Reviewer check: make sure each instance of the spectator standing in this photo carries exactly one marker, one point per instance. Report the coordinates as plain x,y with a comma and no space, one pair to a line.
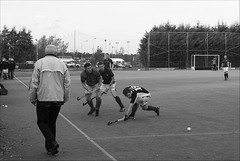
49,90
11,68
108,63
4,68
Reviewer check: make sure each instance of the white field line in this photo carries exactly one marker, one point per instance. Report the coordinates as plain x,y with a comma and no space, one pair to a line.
93,142
21,82
166,135
79,130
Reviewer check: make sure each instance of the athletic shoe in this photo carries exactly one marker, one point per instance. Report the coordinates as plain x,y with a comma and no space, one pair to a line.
97,113
52,153
91,111
122,110
157,110
53,150
131,117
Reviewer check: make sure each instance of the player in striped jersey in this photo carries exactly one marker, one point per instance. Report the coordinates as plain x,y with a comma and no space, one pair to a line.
138,96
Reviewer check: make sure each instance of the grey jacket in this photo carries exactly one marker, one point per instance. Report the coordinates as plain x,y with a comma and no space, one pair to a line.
50,80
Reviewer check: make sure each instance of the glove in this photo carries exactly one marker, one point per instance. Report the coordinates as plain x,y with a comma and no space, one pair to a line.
125,117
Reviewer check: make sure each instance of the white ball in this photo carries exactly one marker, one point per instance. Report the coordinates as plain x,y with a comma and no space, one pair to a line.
189,129
6,105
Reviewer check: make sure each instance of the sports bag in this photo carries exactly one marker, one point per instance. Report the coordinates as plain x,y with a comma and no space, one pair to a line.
3,91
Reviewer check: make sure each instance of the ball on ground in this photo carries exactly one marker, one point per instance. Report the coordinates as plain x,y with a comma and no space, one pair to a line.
189,129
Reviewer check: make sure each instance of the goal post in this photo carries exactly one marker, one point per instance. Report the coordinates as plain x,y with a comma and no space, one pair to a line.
204,62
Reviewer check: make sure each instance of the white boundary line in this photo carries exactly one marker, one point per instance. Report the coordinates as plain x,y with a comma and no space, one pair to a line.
165,135
21,81
91,140
79,130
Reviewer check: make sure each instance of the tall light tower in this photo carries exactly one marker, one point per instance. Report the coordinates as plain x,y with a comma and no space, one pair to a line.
9,50
74,37
62,48
128,46
109,51
82,47
36,49
105,46
93,44
117,46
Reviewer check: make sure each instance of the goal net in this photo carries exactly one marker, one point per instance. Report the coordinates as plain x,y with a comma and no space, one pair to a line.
205,62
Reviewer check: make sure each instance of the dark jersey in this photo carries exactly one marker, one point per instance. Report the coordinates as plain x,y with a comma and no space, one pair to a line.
11,65
90,78
225,62
107,62
5,65
107,75
136,90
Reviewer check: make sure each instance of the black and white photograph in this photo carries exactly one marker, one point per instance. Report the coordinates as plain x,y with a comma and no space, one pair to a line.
124,80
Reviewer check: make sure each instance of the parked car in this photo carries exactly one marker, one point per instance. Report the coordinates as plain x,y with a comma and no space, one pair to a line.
72,64
127,65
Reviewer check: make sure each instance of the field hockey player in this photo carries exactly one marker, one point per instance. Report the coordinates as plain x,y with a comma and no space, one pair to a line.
138,96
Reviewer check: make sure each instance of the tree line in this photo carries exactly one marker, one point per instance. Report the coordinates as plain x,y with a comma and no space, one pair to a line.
168,45
172,46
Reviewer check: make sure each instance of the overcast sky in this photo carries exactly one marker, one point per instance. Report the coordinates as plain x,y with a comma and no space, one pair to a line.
118,22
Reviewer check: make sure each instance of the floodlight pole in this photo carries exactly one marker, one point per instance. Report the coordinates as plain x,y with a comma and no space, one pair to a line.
105,46
168,49
187,51
225,36
62,48
74,35
36,49
148,52
128,46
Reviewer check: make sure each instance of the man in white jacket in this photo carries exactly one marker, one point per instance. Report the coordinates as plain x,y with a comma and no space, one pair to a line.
49,90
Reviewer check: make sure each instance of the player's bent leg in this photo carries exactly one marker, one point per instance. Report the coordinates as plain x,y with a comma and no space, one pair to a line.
118,100
152,108
90,103
98,104
134,110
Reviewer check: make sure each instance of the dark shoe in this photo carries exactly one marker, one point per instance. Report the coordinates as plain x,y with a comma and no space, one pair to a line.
97,113
122,110
132,118
91,111
54,148
157,110
52,153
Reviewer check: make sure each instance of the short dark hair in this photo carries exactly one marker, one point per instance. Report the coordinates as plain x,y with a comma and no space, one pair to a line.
87,65
126,91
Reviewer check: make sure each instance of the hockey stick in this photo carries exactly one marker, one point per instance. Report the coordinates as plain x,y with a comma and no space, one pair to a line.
93,98
118,120
79,98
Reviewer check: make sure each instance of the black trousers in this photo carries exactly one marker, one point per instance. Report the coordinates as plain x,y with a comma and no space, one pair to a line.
47,113
10,74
